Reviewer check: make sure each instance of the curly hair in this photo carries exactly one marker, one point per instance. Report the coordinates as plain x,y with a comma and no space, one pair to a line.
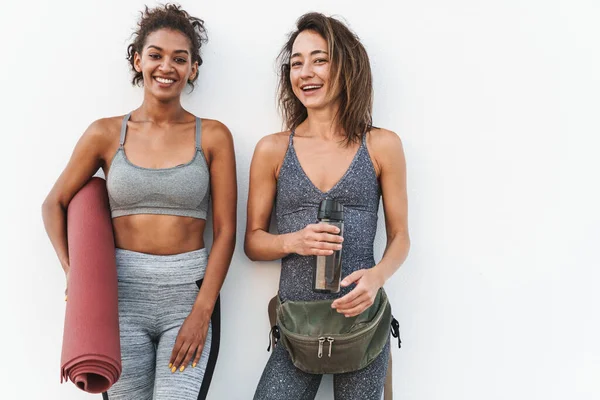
170,16
350,74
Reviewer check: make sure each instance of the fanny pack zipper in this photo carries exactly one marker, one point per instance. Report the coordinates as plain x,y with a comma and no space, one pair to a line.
321,342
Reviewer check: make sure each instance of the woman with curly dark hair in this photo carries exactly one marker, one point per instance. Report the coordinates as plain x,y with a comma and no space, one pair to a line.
330,152
162,166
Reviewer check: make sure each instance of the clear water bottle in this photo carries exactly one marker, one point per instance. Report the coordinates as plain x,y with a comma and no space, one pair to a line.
327,270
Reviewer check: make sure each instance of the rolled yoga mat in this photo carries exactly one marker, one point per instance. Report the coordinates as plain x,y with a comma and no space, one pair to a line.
91,352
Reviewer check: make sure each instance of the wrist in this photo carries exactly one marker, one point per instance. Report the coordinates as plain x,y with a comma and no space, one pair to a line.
65,266
286,243
380,276
201,310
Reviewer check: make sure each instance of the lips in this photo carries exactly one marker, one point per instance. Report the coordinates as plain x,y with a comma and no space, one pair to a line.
164,81
310,87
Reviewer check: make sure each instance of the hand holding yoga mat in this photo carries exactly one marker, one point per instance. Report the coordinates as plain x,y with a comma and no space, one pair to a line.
91,353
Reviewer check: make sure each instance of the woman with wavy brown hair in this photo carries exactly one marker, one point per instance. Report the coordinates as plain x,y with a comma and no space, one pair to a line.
331,150
163,167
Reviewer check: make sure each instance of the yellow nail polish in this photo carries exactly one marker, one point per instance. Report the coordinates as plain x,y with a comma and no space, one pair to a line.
170,365
181,369
194,365
173,369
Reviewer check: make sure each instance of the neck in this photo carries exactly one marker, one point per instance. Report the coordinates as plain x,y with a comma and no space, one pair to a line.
323,123
161,112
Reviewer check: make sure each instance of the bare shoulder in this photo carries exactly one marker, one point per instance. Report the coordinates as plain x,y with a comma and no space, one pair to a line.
105,129
270,152
385,148
102,136
383,140
214,131
273,146
110,126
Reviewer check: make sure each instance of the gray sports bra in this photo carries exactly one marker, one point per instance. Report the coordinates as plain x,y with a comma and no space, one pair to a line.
183,190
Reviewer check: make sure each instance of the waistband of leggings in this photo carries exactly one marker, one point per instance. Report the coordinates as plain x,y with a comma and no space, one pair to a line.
136,267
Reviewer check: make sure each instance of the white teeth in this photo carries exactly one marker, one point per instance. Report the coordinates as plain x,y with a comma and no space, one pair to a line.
311,87
163,80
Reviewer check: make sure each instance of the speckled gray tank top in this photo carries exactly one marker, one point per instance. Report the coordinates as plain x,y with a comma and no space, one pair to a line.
296,205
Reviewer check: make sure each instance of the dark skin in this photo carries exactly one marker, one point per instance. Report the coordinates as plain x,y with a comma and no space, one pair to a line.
160,134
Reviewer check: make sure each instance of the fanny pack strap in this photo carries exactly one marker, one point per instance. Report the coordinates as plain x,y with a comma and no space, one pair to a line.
388,390
274,334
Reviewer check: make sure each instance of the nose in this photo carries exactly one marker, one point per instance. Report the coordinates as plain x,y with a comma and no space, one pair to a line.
165,65
307,71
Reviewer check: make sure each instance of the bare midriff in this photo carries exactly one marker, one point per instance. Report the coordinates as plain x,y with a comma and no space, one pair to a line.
159,234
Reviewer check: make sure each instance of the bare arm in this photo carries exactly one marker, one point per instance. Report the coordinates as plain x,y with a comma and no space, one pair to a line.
259,244
390,156
84,162
221,157
389,161
224,207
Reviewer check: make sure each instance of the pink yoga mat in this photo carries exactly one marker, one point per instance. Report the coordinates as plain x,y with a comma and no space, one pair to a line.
91,352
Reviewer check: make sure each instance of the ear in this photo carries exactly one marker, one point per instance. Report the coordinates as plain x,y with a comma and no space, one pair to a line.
194,71
137,62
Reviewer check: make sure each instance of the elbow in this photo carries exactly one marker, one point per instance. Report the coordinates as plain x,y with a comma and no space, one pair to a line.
45,209
248,248
48,205
248,251
226,236
406,244
401,239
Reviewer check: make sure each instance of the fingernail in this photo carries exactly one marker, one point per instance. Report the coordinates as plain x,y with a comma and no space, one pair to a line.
173,369
182,368
170,365
194,365
65,298
344,282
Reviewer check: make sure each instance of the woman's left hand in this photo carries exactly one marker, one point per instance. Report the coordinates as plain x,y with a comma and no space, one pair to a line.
190,341
368,282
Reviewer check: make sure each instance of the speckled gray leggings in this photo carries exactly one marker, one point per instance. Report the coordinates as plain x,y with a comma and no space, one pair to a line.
281,380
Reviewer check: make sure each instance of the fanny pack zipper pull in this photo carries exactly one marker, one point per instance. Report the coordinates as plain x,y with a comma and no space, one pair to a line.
330,340
321,341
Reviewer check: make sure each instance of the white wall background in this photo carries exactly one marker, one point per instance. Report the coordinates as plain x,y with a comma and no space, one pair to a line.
497,104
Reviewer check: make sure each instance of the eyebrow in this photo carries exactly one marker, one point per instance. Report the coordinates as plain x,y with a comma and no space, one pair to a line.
312,53
176,51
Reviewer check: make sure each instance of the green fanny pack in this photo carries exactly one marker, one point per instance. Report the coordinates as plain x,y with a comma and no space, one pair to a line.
322,341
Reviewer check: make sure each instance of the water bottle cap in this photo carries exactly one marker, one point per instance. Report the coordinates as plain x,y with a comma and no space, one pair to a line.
331,209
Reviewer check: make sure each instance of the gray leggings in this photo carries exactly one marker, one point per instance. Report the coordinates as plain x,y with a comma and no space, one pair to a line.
281,380
156,294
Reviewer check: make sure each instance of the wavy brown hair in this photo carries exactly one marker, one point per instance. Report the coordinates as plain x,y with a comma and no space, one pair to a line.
169,16
350,75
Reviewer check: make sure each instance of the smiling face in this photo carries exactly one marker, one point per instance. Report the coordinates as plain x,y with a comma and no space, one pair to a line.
310,65
165,64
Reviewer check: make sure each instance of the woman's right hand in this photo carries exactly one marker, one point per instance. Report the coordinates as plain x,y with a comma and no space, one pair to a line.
315,240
